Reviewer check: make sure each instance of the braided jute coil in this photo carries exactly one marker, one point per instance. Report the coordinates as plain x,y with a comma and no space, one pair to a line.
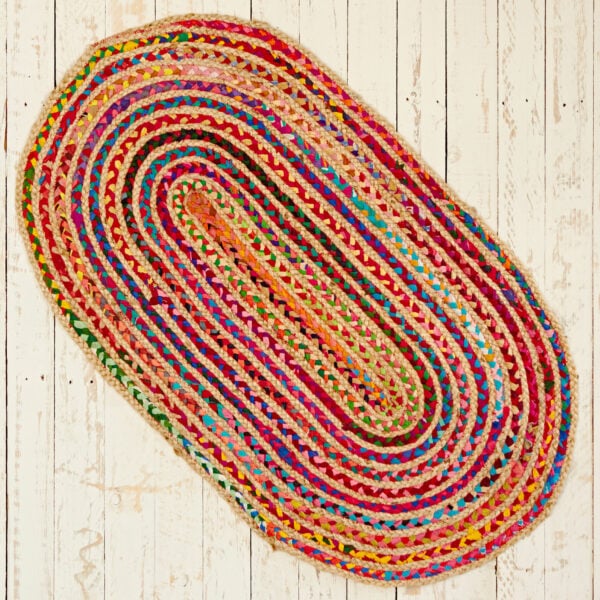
286,291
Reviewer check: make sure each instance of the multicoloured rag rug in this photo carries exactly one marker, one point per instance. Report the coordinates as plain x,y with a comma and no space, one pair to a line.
296,301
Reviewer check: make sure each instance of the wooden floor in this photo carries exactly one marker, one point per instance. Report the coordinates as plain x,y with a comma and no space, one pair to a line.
499,98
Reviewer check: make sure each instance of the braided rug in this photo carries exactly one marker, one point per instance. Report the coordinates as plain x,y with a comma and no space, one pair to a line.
286,291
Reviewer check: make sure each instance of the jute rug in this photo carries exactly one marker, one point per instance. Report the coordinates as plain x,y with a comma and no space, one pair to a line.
285,290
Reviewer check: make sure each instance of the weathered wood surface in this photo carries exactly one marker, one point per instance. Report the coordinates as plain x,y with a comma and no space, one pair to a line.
500,99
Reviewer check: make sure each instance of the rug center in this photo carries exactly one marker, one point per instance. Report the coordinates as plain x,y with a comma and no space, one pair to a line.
378,386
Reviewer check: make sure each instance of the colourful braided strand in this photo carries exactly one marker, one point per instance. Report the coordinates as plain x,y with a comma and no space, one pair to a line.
296,301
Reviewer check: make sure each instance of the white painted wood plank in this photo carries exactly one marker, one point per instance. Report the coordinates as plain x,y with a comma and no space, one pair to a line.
235,8
178,529
372,54
520,569
225,537
79,401
472,164
274,573
224,562
323,30
421,79
130,492
471,119
179,505
226,554
3,294
568,542
372,74
30,343
148,494
131,446
595,216
284,15
421,119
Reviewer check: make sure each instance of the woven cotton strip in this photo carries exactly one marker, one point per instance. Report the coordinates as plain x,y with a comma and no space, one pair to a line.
285,290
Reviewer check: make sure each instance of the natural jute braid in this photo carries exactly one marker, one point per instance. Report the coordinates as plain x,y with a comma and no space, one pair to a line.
296,301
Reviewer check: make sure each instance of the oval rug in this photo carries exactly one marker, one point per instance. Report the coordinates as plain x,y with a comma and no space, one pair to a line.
296,301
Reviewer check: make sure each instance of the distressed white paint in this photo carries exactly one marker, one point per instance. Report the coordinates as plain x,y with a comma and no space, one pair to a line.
372,42
79,458
323,29
471,162
29,326
567,277
3,413
508,88
421,117
521,168
595,218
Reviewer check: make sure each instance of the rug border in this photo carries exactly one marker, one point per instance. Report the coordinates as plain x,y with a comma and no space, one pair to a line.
276,544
